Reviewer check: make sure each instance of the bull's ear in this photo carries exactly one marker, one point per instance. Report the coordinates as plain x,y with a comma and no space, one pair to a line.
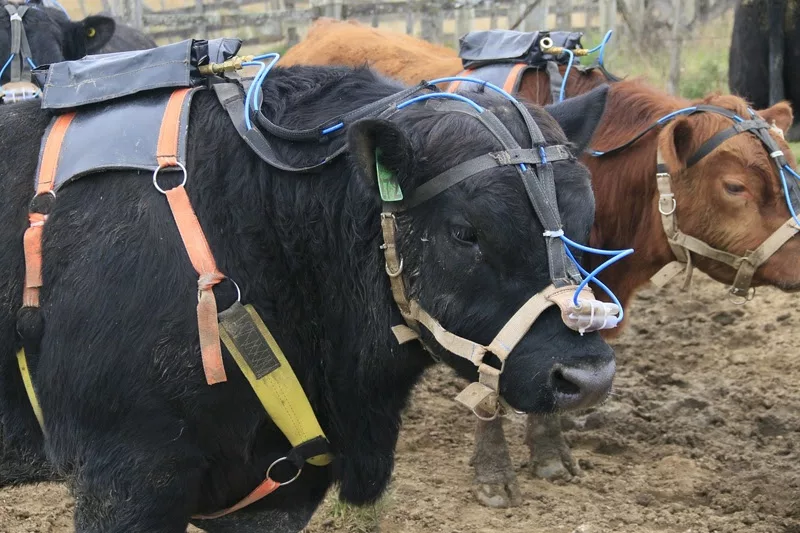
95,31
780,115
383,155
579,116
675,144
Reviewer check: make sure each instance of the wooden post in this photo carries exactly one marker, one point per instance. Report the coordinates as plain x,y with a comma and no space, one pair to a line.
464,18
409,18
333,9
537,18
563,15
608,14
199,8
674,80
432,21
492,5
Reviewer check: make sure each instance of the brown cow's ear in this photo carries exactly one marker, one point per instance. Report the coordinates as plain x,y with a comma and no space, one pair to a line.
675,144
780,115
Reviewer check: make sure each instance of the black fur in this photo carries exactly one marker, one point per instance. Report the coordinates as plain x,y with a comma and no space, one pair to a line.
144,442
748,74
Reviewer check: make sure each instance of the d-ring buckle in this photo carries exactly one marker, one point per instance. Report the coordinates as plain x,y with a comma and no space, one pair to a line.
397,272
741,300
672,209
155,176
283,483
238,290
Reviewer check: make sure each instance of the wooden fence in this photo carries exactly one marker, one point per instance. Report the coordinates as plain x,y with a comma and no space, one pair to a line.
284,22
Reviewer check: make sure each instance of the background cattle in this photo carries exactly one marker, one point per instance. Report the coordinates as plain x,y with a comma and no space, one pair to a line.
765,54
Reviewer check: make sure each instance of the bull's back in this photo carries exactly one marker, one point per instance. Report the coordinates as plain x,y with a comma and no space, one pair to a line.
393,54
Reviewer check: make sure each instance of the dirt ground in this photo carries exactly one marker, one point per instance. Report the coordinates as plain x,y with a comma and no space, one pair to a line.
700,435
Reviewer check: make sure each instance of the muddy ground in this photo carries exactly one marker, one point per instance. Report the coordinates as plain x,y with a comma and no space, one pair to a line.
701,435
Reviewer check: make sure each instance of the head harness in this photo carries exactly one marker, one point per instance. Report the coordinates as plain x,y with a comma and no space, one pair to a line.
19,62
579,310
684,245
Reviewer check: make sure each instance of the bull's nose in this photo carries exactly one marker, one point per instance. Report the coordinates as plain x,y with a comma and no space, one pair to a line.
579,387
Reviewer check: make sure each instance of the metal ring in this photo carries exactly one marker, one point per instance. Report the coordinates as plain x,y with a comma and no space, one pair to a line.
398,272
546,43
672,210
283,483
238,290
155,176
487,418
741,300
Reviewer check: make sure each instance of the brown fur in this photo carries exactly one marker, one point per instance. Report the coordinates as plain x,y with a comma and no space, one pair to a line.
411,60
625,184
627,196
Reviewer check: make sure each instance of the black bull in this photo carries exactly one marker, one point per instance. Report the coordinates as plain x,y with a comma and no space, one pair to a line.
130,421
764,66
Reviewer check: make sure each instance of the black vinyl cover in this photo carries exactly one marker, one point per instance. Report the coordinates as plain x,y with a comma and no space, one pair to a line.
479,48
103,77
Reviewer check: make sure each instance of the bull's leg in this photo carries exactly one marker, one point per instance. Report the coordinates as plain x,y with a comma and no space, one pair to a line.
495,480
551,457
272,520
122,490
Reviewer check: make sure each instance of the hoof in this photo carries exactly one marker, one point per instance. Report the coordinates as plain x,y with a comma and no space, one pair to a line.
553,469
498,495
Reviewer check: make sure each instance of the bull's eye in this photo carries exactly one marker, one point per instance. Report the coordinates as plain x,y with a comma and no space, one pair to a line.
734,187
465,235
91,32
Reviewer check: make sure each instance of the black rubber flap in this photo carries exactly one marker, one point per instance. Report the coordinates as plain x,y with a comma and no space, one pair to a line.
507,46
103,77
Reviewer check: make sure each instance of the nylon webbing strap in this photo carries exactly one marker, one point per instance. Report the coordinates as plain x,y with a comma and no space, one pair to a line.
751,261
555,80
711,144
469,168
251,344
19,68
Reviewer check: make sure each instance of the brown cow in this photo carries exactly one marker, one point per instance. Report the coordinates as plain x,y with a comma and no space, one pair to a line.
731,199
411,60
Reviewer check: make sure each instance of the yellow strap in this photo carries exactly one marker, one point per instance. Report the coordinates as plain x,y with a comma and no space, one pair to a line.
22,361
280,392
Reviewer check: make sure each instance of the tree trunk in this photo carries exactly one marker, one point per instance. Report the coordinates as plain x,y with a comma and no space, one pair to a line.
674,81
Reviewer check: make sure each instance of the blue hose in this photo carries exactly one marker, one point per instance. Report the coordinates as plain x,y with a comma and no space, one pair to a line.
566,74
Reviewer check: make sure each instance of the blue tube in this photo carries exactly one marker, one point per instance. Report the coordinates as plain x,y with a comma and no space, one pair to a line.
31,63
450,96
599,283
566,74
616,256
602,47
2,70
467,79
249,96
786,190
333,128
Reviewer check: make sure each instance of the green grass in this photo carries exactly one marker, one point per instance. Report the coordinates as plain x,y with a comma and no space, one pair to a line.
338,516
795,150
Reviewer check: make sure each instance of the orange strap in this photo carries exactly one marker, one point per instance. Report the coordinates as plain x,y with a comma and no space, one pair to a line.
267,487
194,240
511,79
454,86
32,241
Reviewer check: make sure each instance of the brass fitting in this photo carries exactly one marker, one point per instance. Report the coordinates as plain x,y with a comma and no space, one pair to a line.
234,63
546,46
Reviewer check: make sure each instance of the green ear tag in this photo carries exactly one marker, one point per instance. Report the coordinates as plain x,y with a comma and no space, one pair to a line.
387,182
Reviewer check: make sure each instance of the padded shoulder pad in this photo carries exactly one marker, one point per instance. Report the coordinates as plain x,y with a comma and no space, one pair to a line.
104,77
507,46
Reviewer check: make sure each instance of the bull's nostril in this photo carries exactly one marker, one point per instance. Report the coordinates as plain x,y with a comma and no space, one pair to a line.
564,386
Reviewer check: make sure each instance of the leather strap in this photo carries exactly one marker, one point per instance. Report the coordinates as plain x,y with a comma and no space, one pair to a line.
267,487
512,80
194,241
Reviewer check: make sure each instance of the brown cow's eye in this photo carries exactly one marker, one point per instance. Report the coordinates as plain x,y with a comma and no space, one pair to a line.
733,187
465,234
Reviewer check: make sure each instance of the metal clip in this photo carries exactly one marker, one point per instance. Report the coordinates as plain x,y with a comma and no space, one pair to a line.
234,63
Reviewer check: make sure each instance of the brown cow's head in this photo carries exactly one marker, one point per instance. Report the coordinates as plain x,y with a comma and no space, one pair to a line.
733,198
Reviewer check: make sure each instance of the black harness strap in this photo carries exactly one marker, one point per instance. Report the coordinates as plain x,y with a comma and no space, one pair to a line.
555,80
20,48
467,169
758,127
